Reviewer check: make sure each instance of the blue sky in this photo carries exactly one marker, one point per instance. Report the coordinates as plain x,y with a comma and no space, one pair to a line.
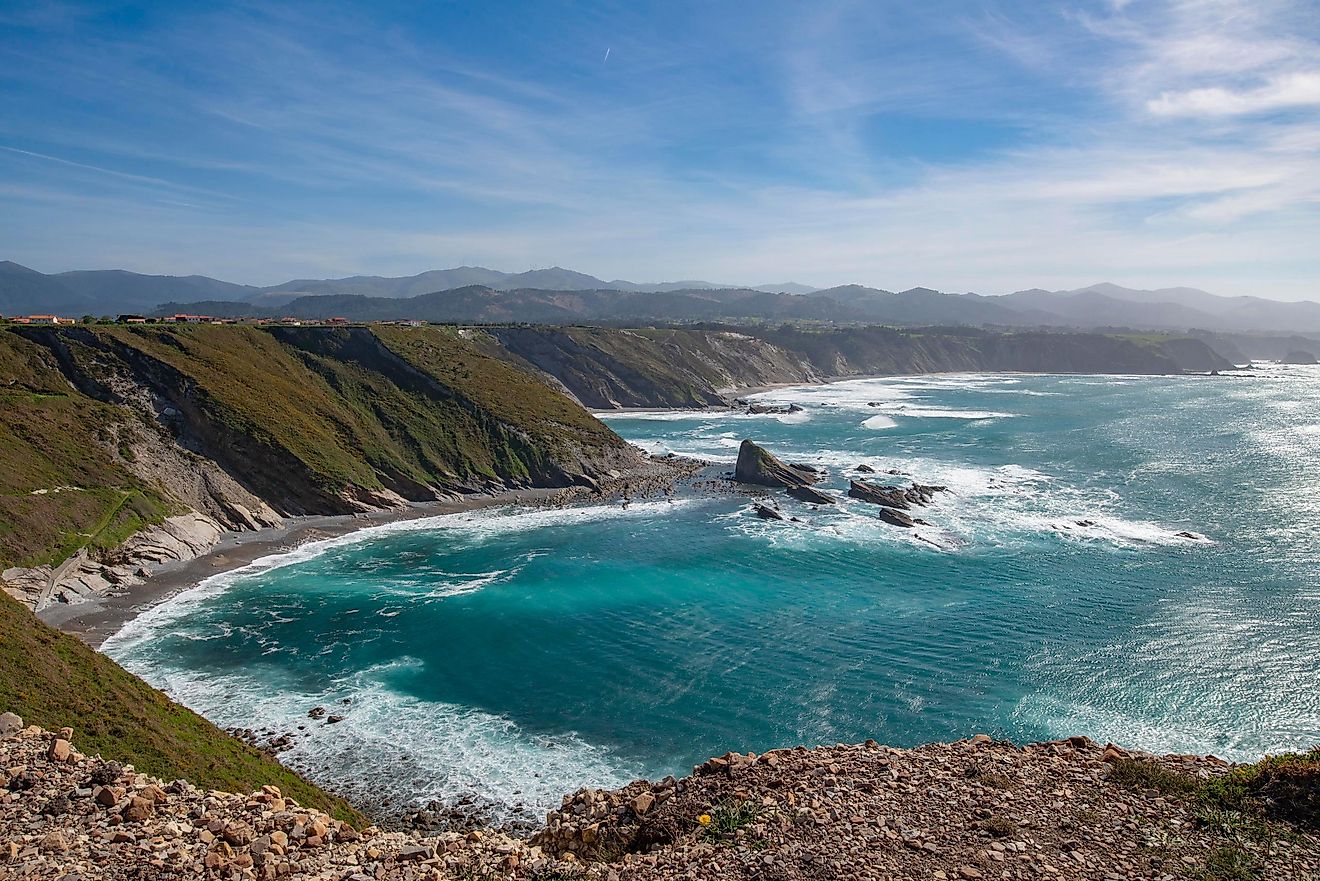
964,146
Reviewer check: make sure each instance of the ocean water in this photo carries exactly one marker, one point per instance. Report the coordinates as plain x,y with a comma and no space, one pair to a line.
1130,558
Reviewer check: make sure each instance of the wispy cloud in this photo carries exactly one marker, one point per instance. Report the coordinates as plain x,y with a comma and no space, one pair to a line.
1281,91
985,148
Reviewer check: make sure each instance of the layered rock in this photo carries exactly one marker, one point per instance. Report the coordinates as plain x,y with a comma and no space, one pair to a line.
899,497
178,538
757,465
811,495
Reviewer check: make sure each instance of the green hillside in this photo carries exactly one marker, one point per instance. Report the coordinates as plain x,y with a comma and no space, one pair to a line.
64,483
53,680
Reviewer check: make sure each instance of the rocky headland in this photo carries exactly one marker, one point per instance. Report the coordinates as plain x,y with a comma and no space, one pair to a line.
974,809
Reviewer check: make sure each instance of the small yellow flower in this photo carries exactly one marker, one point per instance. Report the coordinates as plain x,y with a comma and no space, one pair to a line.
704,819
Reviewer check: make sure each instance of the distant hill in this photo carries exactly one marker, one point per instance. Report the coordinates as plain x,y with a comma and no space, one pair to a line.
556,278
480,303
26,290
116,290
558,295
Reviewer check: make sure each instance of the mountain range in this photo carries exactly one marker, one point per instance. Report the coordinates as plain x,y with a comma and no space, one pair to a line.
557,295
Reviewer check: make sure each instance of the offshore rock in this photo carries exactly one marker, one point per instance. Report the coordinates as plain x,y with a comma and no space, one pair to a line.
759,466
898,497
763,409
812,495
765,512
889,496
895,517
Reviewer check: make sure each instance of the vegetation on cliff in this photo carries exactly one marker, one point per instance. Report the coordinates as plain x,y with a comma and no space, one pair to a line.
52,679
64,484
690,367
311,420
652,367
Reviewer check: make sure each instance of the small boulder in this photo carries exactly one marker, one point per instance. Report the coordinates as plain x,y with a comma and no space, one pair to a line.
888,496
138,809
107,796
60,750
643,803
765,512
55,842
10,724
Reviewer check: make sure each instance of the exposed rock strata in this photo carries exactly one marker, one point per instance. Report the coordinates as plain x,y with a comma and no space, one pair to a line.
759,466
811,495
898,497
614,367
178,538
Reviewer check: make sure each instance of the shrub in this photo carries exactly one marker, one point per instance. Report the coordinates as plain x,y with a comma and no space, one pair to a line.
726,818
1144,774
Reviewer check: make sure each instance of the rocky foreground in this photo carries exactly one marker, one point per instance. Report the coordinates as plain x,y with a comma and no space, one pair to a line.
968,810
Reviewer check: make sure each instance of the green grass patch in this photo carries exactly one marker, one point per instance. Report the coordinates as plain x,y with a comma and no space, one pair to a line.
1231,862
1142,774
1285,787
726,818
1277,788
52,680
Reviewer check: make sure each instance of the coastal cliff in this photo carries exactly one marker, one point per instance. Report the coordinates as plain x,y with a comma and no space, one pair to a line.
176,434
128,447
611,368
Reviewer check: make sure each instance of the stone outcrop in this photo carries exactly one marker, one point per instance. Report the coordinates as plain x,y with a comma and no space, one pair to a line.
758,466
975,809
1068,810
899,497
895,517
66,815
765,512
178,538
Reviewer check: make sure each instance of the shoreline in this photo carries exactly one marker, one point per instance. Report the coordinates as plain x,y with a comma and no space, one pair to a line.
98,618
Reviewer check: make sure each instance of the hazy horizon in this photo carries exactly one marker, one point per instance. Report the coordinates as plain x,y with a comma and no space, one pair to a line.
1010,146
677,278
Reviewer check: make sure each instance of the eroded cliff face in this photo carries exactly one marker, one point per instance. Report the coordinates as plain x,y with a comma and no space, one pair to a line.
177,434
610,368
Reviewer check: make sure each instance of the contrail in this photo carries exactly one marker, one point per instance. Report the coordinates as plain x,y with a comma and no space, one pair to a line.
607,56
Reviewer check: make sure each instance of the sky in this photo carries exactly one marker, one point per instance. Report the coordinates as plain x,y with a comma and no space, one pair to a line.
978,146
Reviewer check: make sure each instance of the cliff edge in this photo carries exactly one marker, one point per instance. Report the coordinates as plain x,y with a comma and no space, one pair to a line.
975,809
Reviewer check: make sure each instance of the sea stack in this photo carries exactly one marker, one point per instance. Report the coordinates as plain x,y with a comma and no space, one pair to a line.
759,466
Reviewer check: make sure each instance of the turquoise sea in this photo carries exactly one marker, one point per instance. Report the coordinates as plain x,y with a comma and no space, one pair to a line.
1135,559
